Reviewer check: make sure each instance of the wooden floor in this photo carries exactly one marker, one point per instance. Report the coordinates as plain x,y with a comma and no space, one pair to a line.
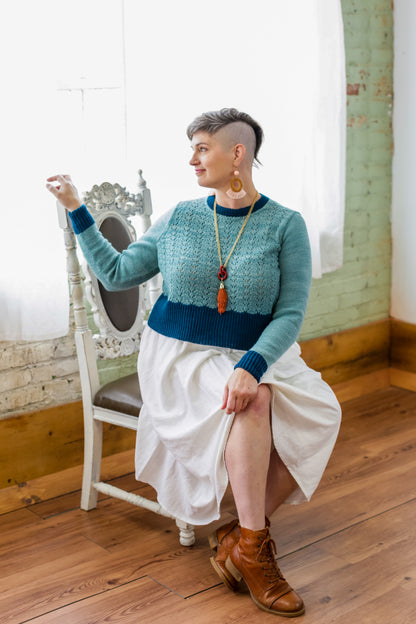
351,552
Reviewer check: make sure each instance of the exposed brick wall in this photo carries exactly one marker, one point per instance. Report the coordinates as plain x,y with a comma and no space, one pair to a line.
36,375
359,292
41,374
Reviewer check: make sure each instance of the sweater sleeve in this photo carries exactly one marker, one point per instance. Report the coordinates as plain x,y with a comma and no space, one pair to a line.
118,270
290,307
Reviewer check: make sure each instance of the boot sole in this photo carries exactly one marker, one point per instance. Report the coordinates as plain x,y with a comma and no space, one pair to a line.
236,574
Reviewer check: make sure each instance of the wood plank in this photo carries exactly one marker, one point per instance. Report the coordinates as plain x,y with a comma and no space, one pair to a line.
68,574
168,568
396,603
130,604
403,346
389,529
16,520
38,553
68,502
385,568
331,511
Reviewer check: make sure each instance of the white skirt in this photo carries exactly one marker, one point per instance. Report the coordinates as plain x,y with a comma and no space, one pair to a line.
182,430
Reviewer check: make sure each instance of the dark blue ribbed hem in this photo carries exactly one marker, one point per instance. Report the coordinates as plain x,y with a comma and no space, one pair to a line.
203,325
81,219
253,363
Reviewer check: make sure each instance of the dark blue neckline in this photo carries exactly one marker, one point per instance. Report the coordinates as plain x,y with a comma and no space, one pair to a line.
237,212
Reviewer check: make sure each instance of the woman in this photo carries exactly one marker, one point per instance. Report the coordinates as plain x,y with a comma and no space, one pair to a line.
226,394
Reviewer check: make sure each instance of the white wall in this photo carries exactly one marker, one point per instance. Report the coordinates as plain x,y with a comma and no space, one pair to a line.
403,305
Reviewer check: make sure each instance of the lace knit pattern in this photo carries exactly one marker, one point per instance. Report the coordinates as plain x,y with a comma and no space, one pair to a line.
253,270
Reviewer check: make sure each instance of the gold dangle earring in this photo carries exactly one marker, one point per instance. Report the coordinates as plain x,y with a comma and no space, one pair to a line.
236,191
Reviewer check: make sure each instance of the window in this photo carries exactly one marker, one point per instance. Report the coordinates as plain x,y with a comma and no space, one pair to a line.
110,86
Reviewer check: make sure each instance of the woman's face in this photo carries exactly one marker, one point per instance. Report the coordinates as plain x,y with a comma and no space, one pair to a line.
213,164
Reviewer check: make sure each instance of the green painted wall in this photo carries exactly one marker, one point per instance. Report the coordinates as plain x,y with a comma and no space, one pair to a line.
359,292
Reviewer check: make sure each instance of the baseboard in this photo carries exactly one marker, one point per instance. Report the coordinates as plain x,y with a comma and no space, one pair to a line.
48,441
346,355
403,354
59,483
403,379
354,362
403,346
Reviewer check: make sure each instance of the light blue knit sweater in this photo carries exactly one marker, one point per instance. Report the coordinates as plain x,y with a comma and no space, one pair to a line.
269,275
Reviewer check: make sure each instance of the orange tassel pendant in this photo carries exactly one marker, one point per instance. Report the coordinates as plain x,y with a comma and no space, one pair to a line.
222,299
222,273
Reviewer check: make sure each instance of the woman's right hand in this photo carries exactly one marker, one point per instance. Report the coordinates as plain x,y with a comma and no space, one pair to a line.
64,191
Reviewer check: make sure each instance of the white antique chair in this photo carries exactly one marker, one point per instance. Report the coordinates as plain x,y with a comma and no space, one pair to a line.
120,318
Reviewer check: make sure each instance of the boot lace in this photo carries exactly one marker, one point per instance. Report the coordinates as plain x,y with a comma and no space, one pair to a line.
267,557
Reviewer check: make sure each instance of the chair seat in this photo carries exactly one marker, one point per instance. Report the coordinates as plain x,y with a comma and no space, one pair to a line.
122,395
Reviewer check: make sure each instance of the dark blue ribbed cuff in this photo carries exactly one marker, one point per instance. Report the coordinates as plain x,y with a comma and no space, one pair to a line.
81,219
253,363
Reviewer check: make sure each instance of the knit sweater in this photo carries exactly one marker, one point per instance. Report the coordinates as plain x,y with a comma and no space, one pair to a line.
269,275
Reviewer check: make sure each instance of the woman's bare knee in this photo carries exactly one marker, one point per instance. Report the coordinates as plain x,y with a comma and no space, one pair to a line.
261,404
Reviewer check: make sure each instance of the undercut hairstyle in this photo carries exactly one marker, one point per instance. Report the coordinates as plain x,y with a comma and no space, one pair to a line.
213,121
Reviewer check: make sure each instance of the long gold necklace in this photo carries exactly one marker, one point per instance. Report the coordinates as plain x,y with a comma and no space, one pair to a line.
222,273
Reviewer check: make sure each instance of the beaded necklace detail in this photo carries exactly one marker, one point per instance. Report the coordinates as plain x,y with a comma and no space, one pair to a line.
222,273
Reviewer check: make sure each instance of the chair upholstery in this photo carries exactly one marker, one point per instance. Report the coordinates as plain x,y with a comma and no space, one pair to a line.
119,317
122,395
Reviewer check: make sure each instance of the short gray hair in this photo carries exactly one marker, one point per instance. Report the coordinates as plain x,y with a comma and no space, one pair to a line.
213,121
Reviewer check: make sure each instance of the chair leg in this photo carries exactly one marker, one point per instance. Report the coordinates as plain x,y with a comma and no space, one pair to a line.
186,533
93,444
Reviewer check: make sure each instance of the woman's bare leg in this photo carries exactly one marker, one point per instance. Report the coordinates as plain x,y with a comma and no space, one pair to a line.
259,479
280,483
247,457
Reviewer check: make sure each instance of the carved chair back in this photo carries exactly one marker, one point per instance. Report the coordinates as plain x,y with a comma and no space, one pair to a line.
118,315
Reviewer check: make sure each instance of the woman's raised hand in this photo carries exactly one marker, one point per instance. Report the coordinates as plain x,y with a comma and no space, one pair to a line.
64,190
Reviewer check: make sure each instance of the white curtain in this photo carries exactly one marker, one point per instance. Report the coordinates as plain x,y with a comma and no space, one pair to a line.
148,69
282,62
33,287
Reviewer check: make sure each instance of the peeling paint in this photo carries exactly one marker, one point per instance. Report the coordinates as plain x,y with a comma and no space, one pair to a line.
383,87
353,89
357,122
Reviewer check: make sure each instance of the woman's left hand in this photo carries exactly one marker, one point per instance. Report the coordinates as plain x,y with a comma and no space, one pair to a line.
240,389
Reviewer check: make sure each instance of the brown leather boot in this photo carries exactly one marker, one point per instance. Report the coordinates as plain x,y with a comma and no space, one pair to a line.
253,559
221,542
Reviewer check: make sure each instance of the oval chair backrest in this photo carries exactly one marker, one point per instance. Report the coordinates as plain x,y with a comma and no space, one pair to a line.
121,307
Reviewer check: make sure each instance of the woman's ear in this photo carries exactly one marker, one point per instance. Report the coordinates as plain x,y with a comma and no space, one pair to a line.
239,153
